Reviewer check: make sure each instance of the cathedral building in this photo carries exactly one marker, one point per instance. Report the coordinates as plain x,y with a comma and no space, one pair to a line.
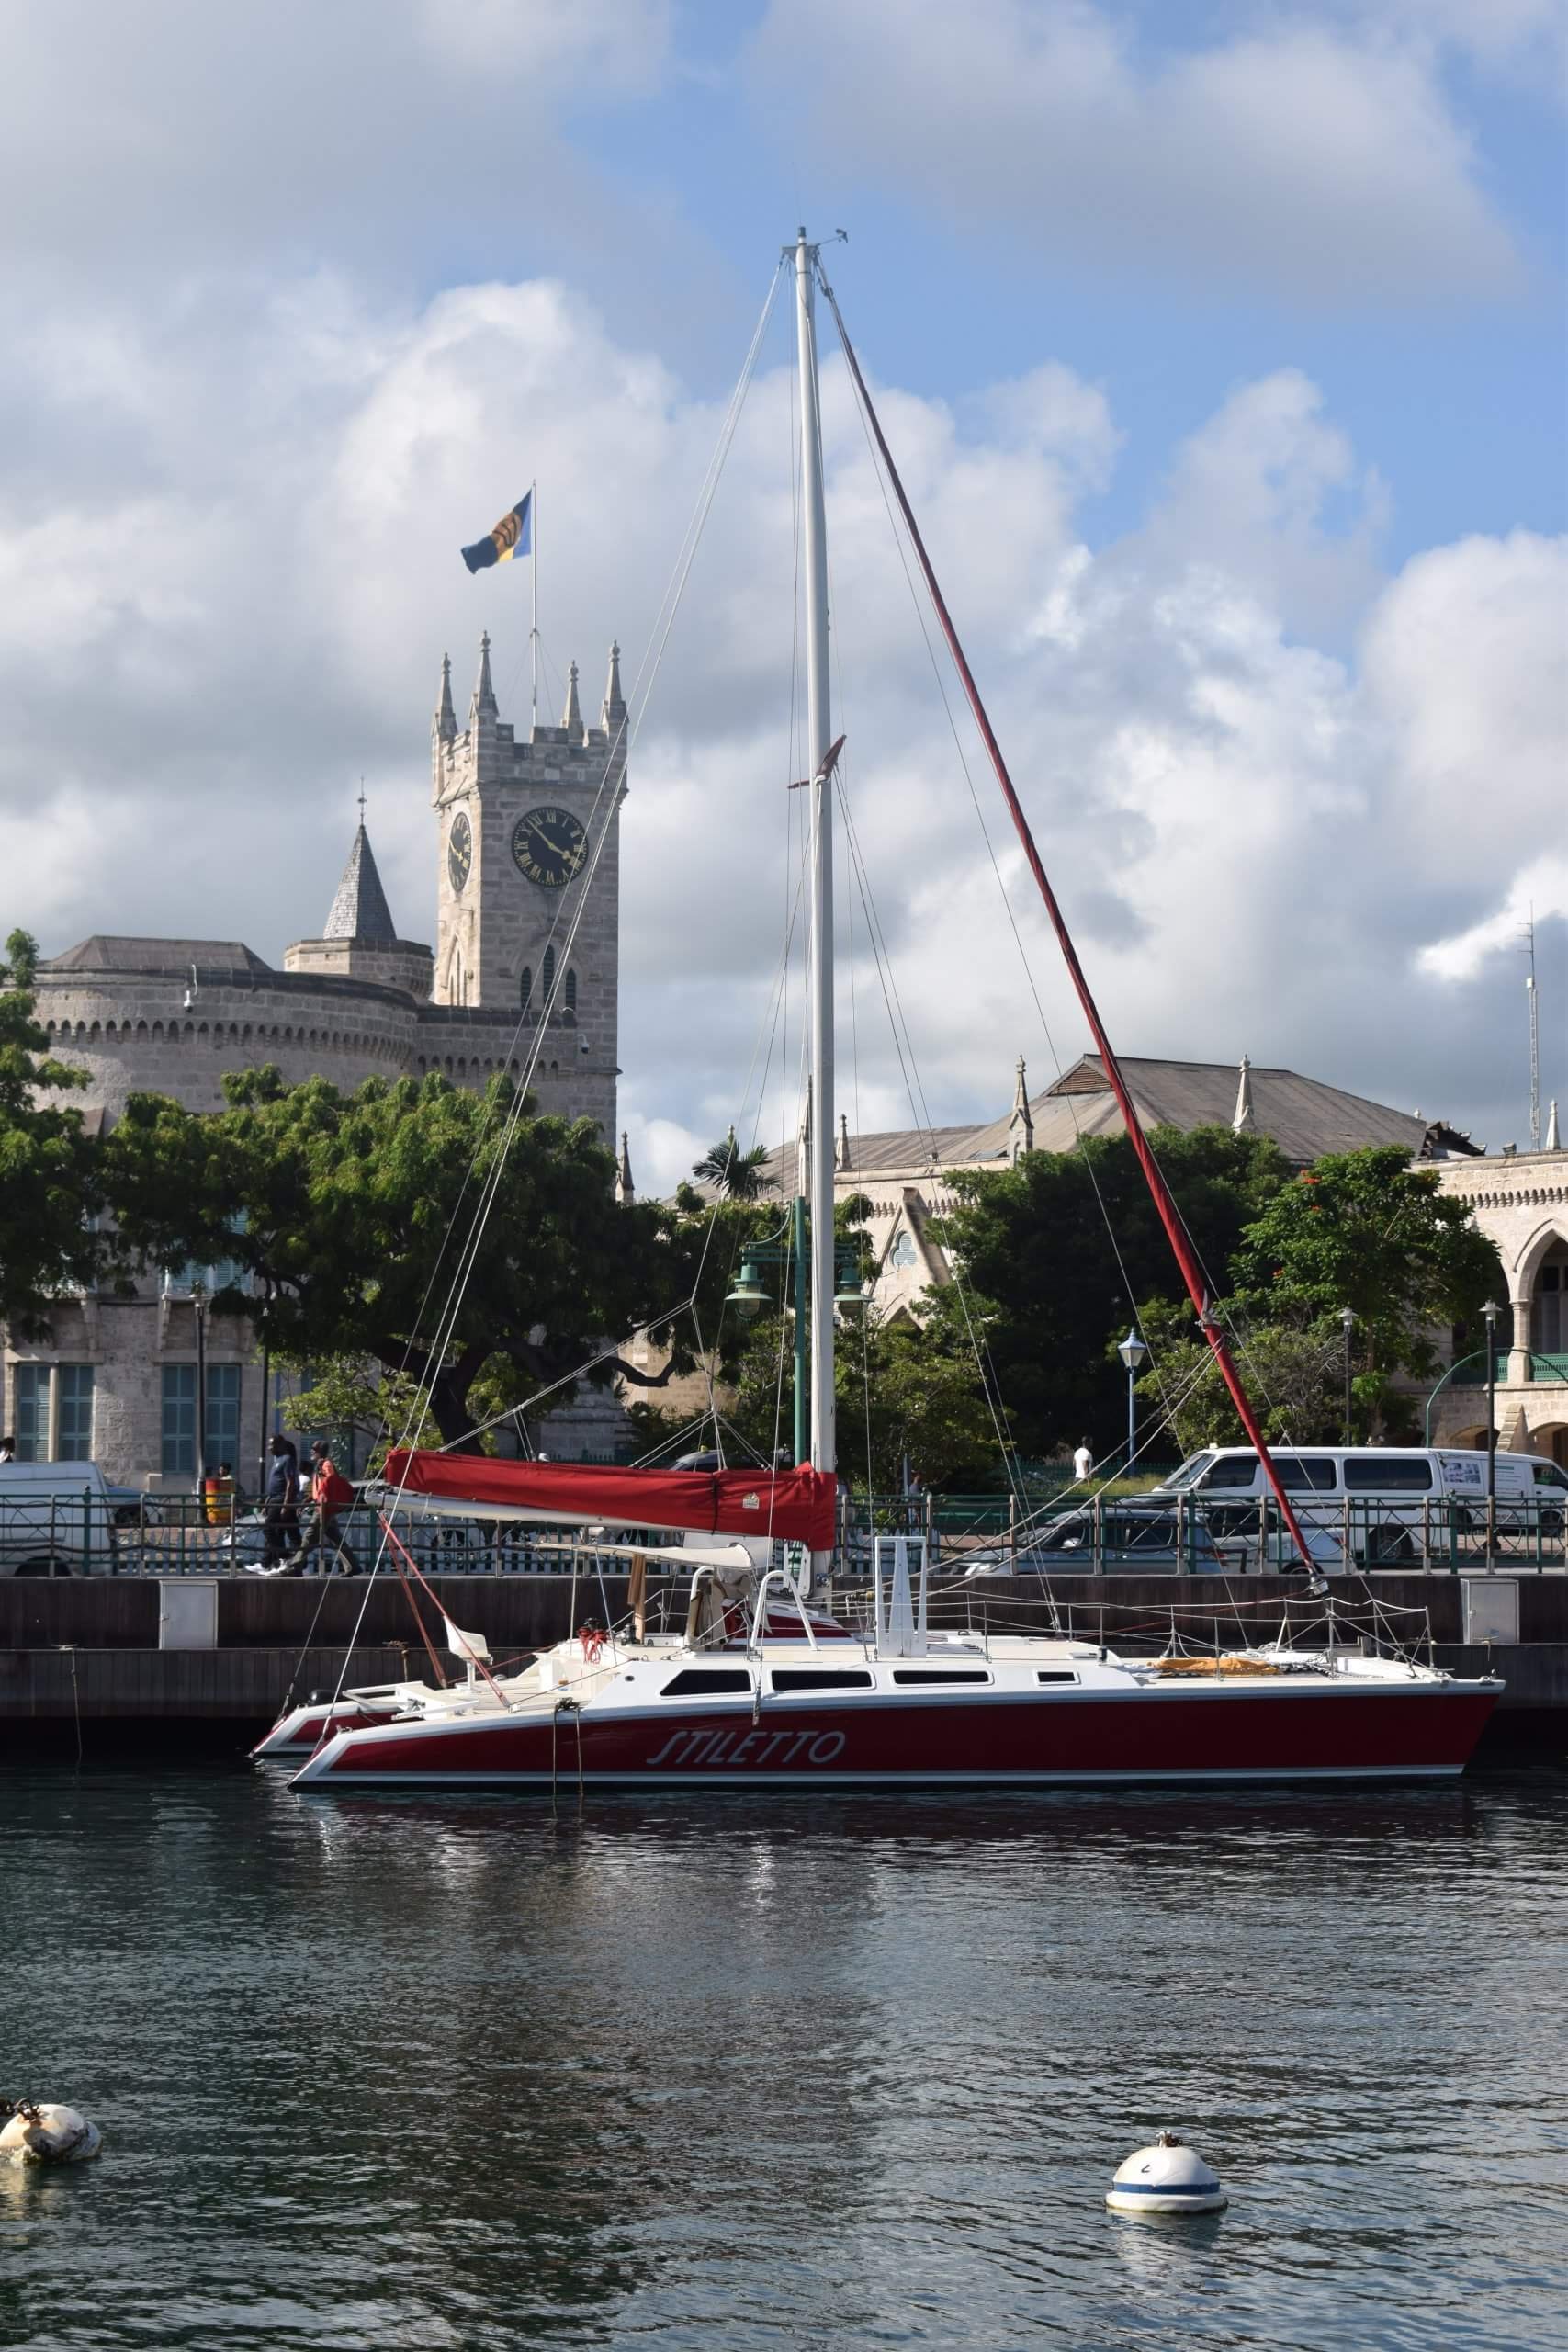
525,969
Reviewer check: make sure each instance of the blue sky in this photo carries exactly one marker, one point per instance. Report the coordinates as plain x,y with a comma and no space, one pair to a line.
1459,404
1224,350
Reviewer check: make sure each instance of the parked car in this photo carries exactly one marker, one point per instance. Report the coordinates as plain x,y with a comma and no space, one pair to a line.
56,1520
1132,1536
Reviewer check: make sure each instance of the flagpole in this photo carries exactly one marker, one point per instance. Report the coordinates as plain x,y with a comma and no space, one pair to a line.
534,544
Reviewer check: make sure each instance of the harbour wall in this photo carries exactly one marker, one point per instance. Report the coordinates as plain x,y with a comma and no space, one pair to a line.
106,1655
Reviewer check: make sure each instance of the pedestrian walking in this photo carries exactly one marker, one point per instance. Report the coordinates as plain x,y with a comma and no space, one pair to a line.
331,1494
1083,1460
280,1504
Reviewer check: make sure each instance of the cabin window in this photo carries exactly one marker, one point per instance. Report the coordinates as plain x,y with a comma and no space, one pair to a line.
1054,1674
526,992
706,1682
1388,1474
807,1677
905,1675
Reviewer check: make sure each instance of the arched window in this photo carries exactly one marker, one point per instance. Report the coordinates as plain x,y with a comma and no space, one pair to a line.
549,972
528,985
570,990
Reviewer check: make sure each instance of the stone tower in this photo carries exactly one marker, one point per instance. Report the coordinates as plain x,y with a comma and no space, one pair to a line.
529,836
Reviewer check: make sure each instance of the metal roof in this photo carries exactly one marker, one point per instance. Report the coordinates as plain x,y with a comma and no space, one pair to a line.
107,951
1305,1118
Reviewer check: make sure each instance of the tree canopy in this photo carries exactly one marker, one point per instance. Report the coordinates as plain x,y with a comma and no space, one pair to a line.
1367,1231
737,1175
49,1185
1047,1288
350,1221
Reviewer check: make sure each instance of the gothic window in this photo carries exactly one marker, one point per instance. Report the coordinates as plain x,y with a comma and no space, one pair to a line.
1549,1308
549,972
571,992
528,985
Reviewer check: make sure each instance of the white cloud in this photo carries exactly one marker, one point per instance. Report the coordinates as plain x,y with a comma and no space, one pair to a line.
1310,160
205,645
1537,892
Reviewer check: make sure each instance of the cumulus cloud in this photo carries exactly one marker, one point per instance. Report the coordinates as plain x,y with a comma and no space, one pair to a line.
272,358
1256,835
1316,160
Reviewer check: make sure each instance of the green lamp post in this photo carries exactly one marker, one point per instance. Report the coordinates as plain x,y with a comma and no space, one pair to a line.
752,1293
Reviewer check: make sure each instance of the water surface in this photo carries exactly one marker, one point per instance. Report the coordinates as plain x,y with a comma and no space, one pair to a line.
754,2071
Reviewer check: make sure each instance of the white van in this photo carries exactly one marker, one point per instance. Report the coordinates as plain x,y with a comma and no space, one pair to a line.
1396,1500
56,1520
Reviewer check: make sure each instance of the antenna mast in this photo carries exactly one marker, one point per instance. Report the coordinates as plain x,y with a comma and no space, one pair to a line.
1535,1034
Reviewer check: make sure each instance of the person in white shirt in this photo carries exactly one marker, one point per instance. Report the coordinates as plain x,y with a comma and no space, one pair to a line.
1083,1460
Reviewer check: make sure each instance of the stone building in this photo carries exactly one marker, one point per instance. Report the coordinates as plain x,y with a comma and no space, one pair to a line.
1520,1200
904,1173
522,977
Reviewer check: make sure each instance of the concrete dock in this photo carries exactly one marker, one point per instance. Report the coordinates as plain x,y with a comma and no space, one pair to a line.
131,1663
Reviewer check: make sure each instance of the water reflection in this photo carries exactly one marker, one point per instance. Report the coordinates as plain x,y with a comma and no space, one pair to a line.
468,2069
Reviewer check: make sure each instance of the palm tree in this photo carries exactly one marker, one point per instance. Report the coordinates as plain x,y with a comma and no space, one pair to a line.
737,1174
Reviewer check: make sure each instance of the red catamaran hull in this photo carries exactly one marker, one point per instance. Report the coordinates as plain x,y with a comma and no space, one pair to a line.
1179,1735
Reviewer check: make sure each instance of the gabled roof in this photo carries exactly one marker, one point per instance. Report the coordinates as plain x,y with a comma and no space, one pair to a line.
172,958
360,911
1305,1118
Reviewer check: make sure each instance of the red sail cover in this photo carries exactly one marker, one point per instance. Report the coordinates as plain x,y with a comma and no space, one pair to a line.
794,1505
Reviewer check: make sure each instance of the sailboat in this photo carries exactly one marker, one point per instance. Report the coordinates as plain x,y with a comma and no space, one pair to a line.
761,1688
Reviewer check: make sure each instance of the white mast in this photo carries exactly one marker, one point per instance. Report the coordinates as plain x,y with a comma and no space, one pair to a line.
824,1451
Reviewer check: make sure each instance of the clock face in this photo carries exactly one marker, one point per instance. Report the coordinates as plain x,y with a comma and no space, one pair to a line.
550,847
460,850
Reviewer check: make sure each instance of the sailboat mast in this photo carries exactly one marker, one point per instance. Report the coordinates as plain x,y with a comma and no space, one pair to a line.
824,1448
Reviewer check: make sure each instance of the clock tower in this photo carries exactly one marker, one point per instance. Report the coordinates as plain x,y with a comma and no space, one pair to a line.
528,847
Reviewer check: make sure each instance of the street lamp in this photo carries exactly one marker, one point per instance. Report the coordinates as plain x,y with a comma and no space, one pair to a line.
1131,1352
1349,1320
1491,1311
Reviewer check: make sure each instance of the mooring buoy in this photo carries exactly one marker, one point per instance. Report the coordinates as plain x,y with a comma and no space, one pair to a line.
1168,2177
42,2132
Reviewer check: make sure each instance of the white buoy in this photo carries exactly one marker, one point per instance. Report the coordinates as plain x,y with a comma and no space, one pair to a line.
38,2131
1166,2178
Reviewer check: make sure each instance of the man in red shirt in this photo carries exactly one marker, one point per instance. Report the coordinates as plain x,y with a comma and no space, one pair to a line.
330,1493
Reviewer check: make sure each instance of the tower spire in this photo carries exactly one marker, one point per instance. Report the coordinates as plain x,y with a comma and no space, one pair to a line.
615,701
572,717
625,1189
1021,1123
484,704
841,1156
1552,1142
1243,1122
445,727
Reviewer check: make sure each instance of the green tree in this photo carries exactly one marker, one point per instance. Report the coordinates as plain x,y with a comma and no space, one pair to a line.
49,1164
735,1174
1292,1374
1366,1230
354,1222
382,1408
1044,1288
904,1393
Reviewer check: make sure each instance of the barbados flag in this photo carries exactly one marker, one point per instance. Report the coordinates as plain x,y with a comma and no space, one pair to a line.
510,537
